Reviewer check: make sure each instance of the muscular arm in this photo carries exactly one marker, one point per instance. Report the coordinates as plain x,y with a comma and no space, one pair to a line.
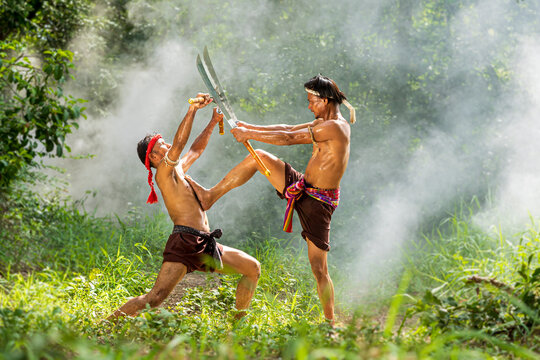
293,135
200,142
184,129
278,127
278,137
182,134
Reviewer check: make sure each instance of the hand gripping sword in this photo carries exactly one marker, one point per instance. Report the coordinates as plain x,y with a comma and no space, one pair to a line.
209,77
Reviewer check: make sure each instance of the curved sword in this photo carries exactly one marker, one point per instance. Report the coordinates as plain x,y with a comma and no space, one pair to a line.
216,92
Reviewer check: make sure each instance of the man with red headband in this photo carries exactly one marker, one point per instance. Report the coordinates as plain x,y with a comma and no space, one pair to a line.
315,194
191,245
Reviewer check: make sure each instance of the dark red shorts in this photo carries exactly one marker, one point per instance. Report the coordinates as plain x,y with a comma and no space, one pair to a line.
314,215
190,250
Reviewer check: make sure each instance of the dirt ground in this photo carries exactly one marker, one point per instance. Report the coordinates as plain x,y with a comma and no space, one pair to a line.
194,279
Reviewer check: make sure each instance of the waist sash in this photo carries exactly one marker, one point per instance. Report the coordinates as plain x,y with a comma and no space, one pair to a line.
295,191
209,241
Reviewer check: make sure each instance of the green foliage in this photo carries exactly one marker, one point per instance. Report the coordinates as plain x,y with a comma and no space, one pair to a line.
36,228
14,17
507,315
35,114
75,269
486,288
44,24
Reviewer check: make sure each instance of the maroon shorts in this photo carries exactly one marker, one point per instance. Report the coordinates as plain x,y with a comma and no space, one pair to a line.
314,215
190,250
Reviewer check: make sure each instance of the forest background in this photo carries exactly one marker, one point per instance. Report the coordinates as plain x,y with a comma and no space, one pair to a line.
443,181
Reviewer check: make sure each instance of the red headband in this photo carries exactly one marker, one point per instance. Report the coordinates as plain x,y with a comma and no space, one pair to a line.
153,196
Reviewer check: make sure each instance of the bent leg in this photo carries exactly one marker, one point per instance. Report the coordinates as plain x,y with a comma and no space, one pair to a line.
325,287
169,275
239,175
238,262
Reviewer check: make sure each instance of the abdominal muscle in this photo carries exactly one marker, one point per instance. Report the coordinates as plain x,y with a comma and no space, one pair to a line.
327,166
183,207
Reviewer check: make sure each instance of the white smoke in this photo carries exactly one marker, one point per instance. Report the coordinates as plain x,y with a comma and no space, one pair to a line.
443,168
518,194
151,98
408,180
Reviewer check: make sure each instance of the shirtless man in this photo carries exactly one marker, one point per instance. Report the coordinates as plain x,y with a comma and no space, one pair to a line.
191,246
314,195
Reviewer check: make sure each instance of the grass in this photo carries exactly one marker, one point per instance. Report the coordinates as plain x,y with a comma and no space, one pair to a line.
66,274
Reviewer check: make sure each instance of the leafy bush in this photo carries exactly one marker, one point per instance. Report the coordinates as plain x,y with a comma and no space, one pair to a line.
510,313
504,305
52,230
35,115
45,24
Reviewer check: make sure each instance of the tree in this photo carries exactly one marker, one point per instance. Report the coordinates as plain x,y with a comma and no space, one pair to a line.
45,24
35,114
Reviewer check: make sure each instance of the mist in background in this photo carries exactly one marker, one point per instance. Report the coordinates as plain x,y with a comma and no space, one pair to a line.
148,101
517,196
447,97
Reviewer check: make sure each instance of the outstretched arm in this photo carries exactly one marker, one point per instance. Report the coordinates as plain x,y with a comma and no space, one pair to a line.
298,134
200,142
278,127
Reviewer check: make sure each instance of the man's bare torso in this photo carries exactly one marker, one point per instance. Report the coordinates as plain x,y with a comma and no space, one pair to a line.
330,158
182,205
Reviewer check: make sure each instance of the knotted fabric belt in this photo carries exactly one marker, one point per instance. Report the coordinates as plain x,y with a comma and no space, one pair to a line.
295,191
210,241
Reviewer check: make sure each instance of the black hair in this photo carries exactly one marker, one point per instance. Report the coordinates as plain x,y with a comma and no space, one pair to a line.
326,87
142,146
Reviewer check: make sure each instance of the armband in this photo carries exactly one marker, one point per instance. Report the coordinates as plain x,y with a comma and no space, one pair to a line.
169,162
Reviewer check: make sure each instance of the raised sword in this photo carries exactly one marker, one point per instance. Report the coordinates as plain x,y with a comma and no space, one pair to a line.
209,77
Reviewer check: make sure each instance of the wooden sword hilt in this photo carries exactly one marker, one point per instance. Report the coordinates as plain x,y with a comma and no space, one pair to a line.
262,167
200,100
221,130
196,100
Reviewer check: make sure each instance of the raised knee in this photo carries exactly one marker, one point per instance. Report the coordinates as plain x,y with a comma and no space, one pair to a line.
261,152
264,155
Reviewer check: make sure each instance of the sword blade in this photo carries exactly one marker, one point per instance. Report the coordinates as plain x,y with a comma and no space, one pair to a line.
215,80
210,67
214,93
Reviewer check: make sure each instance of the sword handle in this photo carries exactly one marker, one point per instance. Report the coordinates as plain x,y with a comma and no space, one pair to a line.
262,168
196,100
221,130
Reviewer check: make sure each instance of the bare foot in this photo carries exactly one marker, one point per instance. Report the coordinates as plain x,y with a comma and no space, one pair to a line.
202,193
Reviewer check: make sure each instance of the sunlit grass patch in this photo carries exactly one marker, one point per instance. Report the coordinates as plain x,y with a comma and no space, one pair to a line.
66,301
57,311
483,288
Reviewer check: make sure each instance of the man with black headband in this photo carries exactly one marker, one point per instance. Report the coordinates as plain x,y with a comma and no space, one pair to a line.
314,194
191,246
